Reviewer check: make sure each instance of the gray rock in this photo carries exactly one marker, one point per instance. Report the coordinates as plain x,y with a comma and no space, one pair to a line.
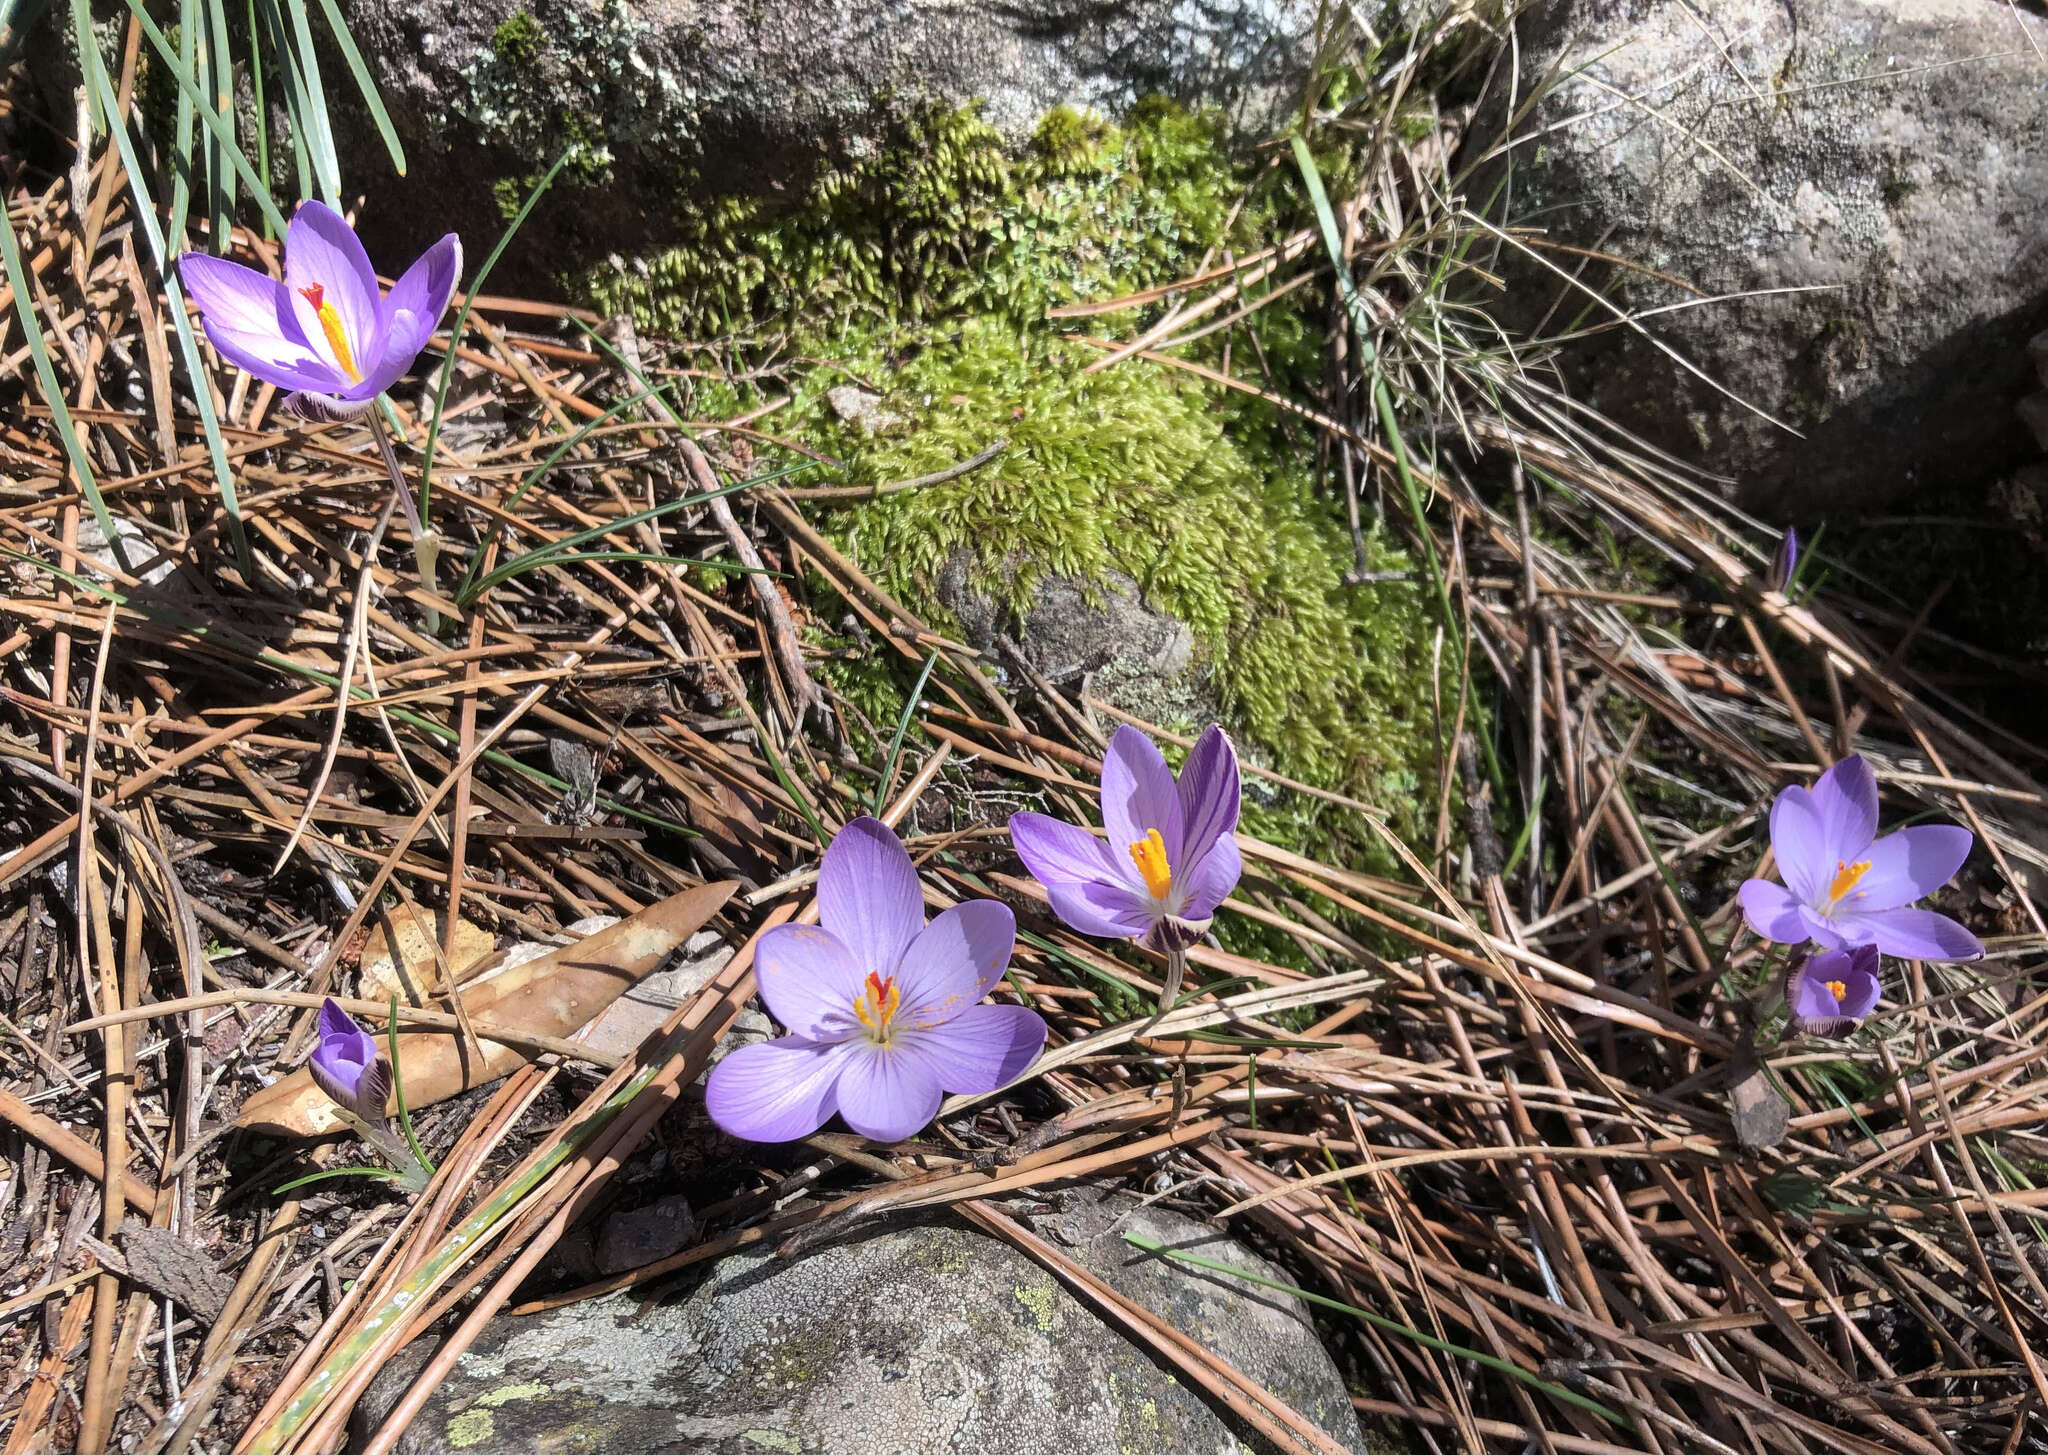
748,94
1894,152
1099,637
923,1338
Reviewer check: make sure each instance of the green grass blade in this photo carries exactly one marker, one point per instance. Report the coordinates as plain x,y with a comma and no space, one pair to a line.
219,61
462,319
320,131
902,728
366,84
294,86
82,36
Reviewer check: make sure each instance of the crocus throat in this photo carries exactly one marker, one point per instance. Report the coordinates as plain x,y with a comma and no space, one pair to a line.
330,324
1846,877
877,1004
1149,854
1837,989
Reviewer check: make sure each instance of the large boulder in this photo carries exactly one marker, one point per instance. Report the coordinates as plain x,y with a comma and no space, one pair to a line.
926,1337
1891,153
754,95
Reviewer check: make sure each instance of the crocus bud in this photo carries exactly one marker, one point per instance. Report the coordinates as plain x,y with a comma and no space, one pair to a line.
348,1066
1829,993
1785,562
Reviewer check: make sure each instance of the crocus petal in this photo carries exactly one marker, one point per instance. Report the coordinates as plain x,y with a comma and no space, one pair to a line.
776,1091
1833,934
1209,883
1173,932
407,317
1806,991
319,408
321,249
1799,841
1773,912
1208,792
1912,934
809,981
248,319
1908,865
955,961
868,895
885,1095
986,1047
1138,793
1861,982
1107,911
1846,800
1060,853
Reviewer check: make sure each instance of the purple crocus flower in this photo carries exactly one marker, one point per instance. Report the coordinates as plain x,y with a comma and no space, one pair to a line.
326,333
1785,563
1170,858
1842,889
348,1066
1829,993
884,1011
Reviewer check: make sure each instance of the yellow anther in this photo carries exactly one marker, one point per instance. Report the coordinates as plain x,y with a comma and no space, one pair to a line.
330,324
1837,989
1149,854
877,1004
1846,877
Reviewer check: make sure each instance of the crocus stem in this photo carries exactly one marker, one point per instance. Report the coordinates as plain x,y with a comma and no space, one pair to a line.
1176,971
426,547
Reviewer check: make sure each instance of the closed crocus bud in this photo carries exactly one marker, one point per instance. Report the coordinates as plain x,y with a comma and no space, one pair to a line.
1785,562
348,1066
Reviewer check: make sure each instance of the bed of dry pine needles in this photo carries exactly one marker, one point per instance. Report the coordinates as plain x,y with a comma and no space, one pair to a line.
1498,1114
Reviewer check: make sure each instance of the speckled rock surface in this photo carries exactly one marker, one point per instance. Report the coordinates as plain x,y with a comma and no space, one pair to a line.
1891,152
922,1338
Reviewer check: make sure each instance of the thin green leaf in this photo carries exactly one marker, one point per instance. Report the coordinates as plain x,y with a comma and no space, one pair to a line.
903,727
382,1172
366,84
320,141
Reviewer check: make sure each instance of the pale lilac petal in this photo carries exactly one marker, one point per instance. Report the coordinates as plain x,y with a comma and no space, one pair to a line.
1209,883
1846,801
1832,934
1138,793
868,895
1773,912
1908,865
777,1091
407,318
955,961
987,1047
1800,843
884,1095
248,319
1861,982
1208,792
1808,996
1107,911
809,981
1912,934
1060,853
321,249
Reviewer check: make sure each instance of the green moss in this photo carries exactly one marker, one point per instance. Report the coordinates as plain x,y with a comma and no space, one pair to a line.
925,272
519,41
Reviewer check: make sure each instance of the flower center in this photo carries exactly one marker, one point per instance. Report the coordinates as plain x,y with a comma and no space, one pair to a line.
877,1004
1837,989
330,324
1846,877
1149,854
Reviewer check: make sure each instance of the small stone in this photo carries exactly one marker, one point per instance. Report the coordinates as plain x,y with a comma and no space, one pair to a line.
644,1235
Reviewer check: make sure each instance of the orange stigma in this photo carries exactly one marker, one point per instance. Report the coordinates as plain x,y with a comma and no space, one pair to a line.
1846,877
330,324
1837,989
877,1004
1149,854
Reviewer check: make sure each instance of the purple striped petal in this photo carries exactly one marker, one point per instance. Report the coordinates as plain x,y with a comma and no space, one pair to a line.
1138,793
1846,801
885,1095
1807,993
1107,911
777,1091
987,1047
868,895
1211,881
321,250
1912,934
1773,912
1060,853
1208,792
809,981
1908,865
1799,840
248,319
955,961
